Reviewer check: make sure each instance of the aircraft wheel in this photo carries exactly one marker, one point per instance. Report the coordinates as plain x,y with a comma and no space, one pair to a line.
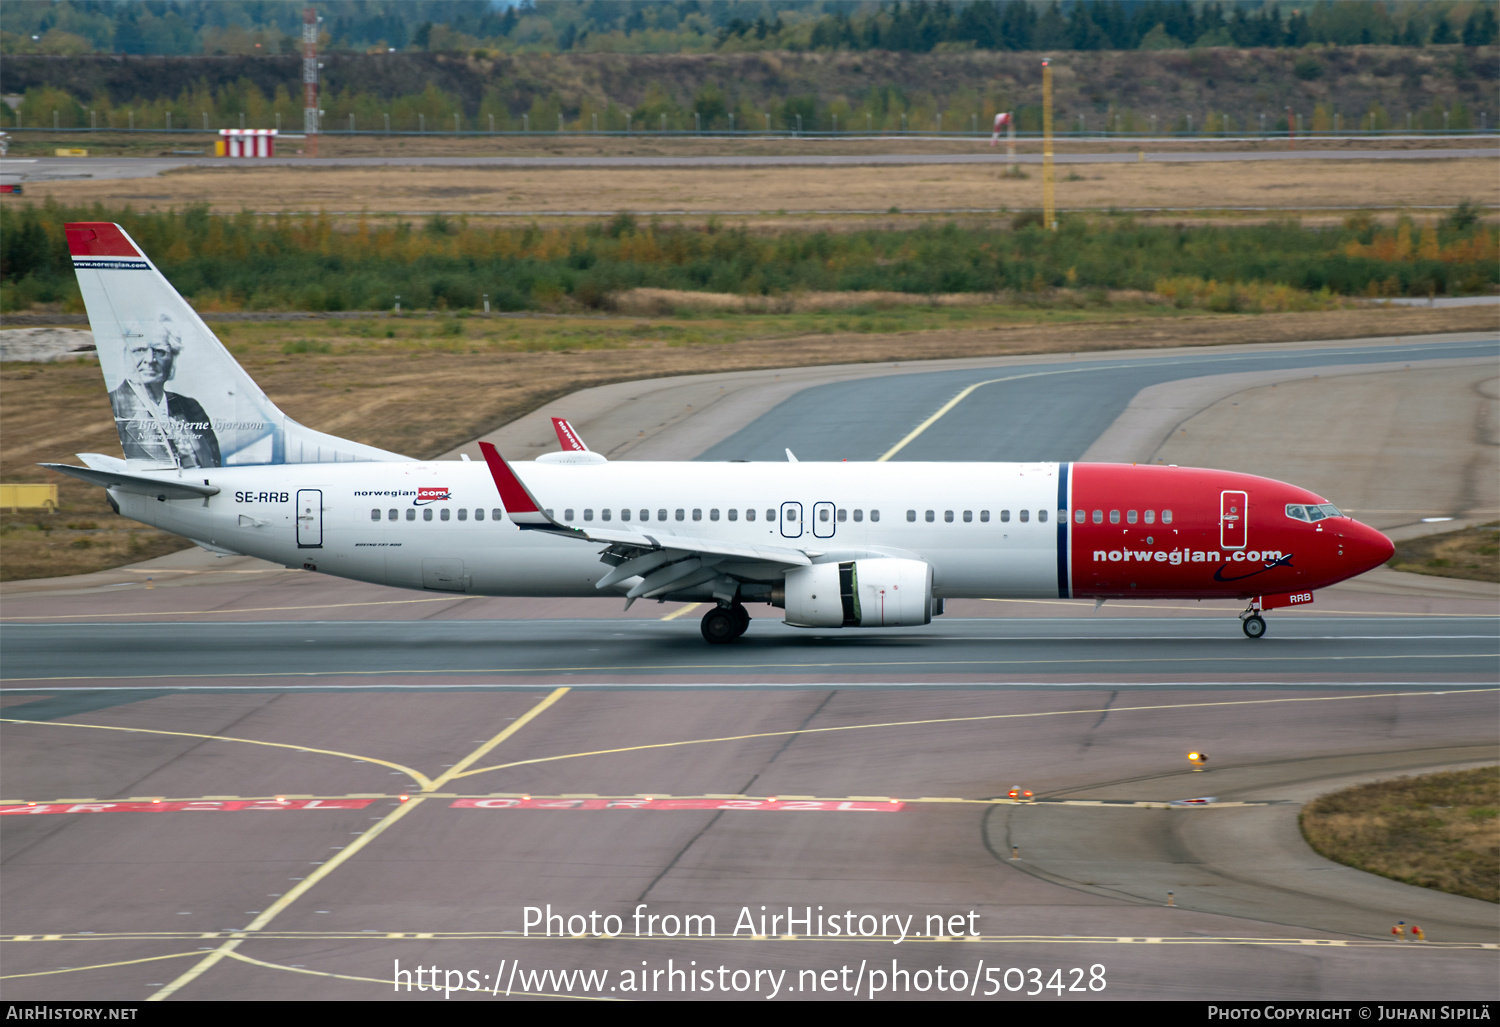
741,619
719,626
1254,625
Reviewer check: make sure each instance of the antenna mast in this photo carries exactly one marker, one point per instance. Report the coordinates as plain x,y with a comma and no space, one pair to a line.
310,79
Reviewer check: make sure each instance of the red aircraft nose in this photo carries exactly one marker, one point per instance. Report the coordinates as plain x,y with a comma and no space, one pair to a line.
1366,547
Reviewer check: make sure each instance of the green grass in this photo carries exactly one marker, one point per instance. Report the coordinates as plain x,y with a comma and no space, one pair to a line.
310,262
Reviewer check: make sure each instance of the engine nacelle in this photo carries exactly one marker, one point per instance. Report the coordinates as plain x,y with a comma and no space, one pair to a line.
878,593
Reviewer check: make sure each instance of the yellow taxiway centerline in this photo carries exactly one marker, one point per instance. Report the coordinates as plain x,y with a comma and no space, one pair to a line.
341,857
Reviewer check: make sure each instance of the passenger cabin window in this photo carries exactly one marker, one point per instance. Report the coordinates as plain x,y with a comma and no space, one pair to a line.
411,513
374,515
568,514
713,514
444,515
681,514
770,514
859,515
948,516
463,513
734,514
391,514
984,516
645,515
605,514
1131,516
911,515
624,515
874,515
749,513
1114,517
1079,516
1041,515
588,514
479,514
1025,516
661,515
823,514
968,516
1098,516
697,515
1150,517
1166,516
1004,516
843,516
931,516
427,513
497,514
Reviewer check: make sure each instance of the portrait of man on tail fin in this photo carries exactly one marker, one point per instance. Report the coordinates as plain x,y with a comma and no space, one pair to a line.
155,425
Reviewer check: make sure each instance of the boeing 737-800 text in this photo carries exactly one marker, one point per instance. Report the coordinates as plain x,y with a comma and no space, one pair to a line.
208,456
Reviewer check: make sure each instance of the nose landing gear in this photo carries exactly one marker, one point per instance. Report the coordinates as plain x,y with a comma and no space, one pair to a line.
724,624
1251,620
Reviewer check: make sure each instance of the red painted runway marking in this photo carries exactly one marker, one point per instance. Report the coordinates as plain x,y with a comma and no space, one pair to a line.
227,806
772,805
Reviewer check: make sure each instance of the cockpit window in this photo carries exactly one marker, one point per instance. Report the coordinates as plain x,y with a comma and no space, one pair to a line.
1311,512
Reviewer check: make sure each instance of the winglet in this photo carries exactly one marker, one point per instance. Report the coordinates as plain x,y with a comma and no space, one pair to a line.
568,437
520,505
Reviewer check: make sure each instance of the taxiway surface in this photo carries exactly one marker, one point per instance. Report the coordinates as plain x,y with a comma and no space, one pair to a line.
101,168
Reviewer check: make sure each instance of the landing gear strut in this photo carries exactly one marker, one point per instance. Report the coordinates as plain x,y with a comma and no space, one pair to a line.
1251,620
724,624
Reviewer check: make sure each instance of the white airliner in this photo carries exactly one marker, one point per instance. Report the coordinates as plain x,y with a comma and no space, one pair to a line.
208,456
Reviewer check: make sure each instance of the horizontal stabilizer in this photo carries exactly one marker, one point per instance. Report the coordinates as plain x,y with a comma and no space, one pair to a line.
137,483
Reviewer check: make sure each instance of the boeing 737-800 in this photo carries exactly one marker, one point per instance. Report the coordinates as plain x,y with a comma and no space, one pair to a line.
208,456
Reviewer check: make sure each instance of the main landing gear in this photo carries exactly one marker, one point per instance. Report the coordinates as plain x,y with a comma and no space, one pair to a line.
725,623
1251,620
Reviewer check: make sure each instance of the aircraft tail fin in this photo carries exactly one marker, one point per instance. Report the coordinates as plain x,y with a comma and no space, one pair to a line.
180,399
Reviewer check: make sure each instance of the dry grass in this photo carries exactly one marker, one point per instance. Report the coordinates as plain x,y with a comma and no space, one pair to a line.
1279,185
1473,553
664,302
426,391
1439,831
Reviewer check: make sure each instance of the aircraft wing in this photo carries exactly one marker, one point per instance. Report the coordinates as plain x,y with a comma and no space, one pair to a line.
659,562
712,546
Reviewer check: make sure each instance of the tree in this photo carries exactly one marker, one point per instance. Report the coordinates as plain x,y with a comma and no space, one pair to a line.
711,106
1159,39
1481,28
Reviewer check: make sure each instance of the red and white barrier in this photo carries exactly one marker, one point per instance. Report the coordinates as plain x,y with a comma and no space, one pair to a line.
249,142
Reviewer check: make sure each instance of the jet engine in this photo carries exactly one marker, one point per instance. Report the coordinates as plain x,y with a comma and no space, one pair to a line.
877,593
